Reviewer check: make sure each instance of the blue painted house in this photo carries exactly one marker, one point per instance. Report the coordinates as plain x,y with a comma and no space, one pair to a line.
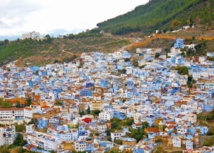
179,43
119,115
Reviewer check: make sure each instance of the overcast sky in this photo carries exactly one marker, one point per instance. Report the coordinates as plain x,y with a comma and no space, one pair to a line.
20,16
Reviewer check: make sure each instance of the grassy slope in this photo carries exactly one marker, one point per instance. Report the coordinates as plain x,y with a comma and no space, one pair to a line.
39,53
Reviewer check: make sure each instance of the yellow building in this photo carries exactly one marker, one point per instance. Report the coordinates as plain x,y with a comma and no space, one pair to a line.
96,105
129,142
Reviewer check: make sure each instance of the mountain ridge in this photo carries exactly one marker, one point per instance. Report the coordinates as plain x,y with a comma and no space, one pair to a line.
159,14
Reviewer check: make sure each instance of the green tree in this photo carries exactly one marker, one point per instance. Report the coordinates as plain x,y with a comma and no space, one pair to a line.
58,103
183,54
4,150
167,50
82,113
5,104
138,134
115,124
109,138
157,55
28,101
108,132
190,81
6,41
193,37
48,38
182,70
95,112
209,141
210,58
145,125
33,121
18,104
123,71
18,40
118,142
88,111
20,127
124,100
19,140
135,63
129,121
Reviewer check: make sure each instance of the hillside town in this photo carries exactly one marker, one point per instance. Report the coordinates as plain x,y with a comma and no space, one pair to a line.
110,102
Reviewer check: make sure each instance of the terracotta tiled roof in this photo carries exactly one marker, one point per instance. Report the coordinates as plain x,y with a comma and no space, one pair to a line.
28,108
152,129
172,123
45,107
37,97
11,109
15,100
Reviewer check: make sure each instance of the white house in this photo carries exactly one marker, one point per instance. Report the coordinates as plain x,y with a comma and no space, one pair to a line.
29,128
117,55
117,134
106,115
176,142
43,140
189,145
191,46
28,114
129,70
181,130
7,135
141,62
84,145
192,118
1,136
137,118
9,114
101,127
174,51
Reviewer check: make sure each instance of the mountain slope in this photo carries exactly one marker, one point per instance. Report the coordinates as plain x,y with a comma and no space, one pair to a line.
160,14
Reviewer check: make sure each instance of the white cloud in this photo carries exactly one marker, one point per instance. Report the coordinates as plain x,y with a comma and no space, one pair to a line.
18,16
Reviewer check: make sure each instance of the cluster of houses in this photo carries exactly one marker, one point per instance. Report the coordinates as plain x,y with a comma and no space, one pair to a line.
7,135
32,35
148,91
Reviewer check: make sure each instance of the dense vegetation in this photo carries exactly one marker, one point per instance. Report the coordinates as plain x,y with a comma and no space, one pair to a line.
182,70
200,50
88,111
206,119
209,141
13,50
161,14
138,134
5,104
83,35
